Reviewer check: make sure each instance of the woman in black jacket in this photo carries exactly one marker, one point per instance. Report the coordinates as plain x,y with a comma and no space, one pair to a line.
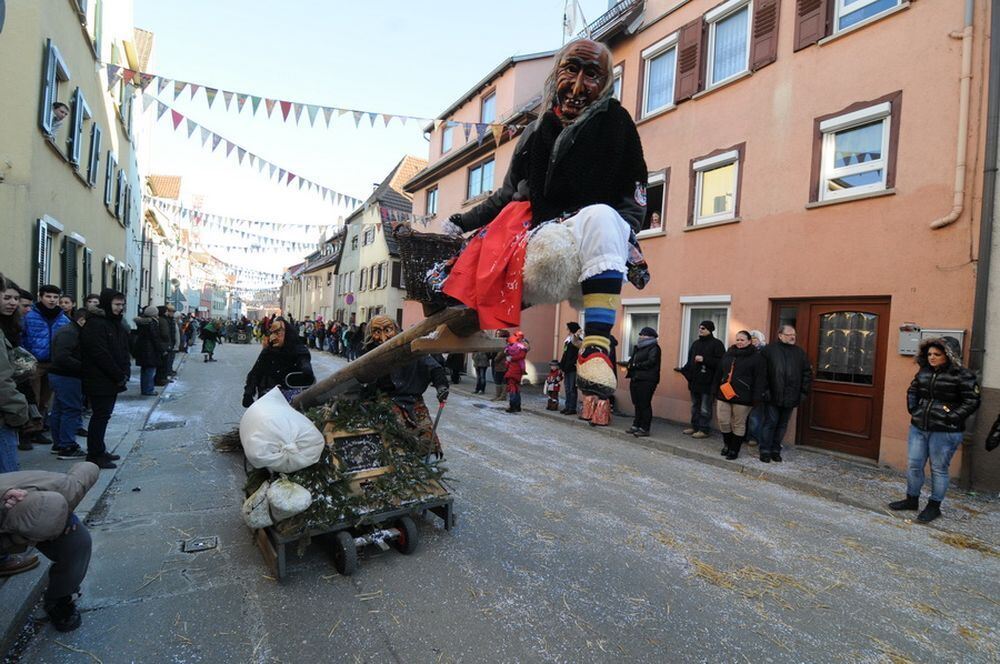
738,385
283,354
643,373
941,397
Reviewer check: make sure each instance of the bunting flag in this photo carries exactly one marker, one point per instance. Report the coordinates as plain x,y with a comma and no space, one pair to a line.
269,103
179,88
286,106
191,126
161,85
205,133
298,112
313,110
227,97
241,101
161,108
210,94
194,89
177,117
127,75
255,101
145,80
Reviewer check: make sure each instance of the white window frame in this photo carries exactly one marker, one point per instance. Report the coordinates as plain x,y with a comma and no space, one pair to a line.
648,55
109,181
657,178
713,18
447,137
705,165
491,97
80,113
627,310
432,202
478,168
840,11
94,159
830,128
55,72
616,82
699,302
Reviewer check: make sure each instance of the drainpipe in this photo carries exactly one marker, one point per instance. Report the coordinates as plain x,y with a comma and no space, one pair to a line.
963,120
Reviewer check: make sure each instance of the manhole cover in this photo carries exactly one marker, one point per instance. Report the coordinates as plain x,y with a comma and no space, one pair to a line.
197,544
166,424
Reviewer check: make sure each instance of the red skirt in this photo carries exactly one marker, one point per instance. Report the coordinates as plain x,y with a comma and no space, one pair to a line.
488,275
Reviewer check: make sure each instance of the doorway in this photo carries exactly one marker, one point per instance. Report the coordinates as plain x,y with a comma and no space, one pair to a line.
846,340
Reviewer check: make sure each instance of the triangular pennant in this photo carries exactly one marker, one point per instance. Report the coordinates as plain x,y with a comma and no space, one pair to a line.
216,139
177,117
291,176
298,112
210,95
385,118
241,101
273,169
481,130
327,113
300,184
161,84
497,133
227,97
127,75
468,130
371,118
205,133
341,111
255,101
145,80
191,126
313,110
240,152
281,174
194,88
260,165
269,104
146,101
357,117
229,147
179,88
113,71
286,106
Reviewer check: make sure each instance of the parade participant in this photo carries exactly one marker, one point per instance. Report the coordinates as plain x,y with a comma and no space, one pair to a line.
405,385
552,383
581,162
209,338
282,355
516,351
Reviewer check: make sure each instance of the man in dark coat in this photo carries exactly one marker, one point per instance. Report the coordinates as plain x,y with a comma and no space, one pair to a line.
149,349
106,368
789,377
644,375
165,322
703,358
571,350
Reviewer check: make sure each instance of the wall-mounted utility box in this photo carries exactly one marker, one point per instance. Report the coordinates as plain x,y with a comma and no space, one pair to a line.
909,339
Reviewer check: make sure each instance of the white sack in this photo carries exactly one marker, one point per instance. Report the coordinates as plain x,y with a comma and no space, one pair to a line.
551,265
255,512
276,436
287,499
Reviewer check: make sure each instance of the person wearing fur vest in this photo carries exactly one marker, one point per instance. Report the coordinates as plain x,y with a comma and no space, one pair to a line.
36,510
578,173
941,397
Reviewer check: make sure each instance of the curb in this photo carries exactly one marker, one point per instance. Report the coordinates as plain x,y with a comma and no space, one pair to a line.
20,594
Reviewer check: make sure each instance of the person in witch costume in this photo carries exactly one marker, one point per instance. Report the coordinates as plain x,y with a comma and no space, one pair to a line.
283,354
405,385
580,164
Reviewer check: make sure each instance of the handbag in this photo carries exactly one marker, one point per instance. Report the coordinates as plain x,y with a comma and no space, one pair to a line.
726,388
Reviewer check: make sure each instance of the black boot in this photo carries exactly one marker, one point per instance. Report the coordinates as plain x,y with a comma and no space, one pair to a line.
908,503
734,450
931,512
63,614
727,443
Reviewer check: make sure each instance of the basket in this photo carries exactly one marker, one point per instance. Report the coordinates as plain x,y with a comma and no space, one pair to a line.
419,253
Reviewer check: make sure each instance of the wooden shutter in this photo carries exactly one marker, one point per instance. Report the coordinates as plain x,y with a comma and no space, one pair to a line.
397,274
810,22
70,280
690,60
88,272
764,43
42,240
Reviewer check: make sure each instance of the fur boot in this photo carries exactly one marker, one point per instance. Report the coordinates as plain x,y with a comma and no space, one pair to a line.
551,266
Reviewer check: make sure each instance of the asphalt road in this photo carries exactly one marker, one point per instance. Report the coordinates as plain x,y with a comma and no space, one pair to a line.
570,547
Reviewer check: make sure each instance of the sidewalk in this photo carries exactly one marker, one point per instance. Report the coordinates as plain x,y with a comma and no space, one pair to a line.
965,514
20,593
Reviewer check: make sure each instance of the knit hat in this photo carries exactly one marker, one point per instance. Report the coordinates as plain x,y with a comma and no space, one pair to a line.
708,325
151,311
573,327
647,332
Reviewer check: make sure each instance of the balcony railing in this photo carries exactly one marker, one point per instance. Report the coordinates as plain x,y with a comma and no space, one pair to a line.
620,13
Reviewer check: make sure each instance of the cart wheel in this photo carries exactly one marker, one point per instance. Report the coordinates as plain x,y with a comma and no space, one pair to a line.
406,543
345,554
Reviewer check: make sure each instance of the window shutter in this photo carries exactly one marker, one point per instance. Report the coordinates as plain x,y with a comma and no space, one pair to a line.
42,240
69,272
690,60
397,274
764,44
810,22
88,271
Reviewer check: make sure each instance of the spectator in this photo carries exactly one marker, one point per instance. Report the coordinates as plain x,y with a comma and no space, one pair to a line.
13,403
455,363
643,373
571,350
552,384
67,303
703,359
789,376
106,370
481,362
37,510
174,331
359,341
40,325
149,349
739,383
59,113
66,417
91,302
164,323
500,370
517,351
756,420
940,399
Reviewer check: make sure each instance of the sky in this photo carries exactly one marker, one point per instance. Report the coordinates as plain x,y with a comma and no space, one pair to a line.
412,57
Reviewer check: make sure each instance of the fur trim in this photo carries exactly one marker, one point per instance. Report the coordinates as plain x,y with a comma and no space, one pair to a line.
596,375
551,266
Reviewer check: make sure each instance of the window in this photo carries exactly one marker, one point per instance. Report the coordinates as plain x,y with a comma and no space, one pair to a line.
329,278
488,108
94,160
70,273
447,135
700,308
656,202
88,270
369,236
45,230
120,195
396,279
637,317
381,275
616,85
79,115
716,186
125,108
432,202
728,41
109,180
846,352
851,12
660,67
480,179
55,72
354,242
364,279
855,152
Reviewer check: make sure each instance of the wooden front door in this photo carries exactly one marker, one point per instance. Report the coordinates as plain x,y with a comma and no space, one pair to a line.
846,340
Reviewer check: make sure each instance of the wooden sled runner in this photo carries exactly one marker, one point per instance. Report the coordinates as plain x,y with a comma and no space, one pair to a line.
451,330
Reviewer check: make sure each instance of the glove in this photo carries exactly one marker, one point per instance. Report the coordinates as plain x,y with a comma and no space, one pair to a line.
451,227
247,400
442,393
